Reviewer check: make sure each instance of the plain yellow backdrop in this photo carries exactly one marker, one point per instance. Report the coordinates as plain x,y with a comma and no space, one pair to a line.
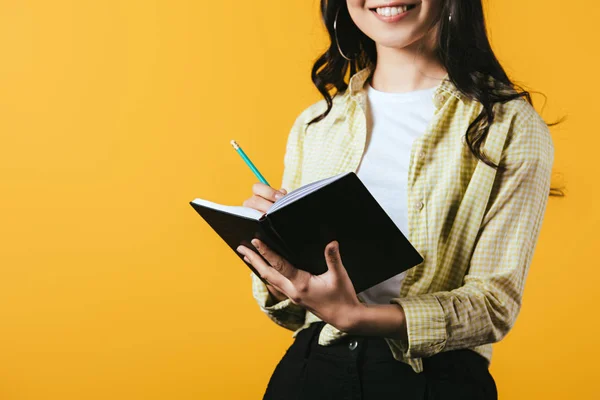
115,114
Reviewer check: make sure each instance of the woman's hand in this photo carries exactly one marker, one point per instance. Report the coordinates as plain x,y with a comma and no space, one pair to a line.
330,296
263,197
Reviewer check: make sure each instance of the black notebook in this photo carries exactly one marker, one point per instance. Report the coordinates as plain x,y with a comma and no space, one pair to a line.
301,224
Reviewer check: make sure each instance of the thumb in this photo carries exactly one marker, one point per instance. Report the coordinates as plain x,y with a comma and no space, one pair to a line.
333,258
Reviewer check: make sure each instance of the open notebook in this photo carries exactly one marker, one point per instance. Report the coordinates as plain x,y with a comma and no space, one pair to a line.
301,224
287,199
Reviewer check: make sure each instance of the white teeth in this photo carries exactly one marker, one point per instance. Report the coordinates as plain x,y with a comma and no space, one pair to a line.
391,11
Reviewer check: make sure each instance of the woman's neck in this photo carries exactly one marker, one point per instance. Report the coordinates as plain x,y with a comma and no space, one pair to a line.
406,69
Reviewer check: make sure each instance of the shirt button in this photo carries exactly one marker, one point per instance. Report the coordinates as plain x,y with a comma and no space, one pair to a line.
440,98
419,205
352,345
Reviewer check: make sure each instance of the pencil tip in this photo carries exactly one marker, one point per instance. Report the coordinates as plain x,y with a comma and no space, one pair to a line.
234,144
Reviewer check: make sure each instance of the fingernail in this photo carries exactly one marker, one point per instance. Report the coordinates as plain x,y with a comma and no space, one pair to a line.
333,249
254,242
278,195
240,249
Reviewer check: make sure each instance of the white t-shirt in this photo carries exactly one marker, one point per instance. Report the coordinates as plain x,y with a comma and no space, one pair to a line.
394,120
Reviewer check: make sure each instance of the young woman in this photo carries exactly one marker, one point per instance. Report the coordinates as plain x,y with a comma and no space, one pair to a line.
459,159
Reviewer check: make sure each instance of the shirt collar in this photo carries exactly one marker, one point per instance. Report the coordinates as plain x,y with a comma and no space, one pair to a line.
356,86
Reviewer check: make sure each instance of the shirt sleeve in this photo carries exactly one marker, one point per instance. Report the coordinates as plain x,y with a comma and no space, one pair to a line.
485,307
285,313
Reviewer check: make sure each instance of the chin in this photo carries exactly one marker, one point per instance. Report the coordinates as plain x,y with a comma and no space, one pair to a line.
394,41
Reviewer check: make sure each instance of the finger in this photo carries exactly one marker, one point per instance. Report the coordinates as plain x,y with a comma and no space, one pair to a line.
333,258
282,190
276,293
277,262
257,203
266,191
279,292
299,279
266,272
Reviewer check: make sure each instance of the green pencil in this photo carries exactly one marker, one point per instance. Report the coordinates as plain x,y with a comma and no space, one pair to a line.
248,162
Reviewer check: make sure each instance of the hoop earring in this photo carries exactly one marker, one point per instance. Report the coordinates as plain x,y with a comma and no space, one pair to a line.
335,34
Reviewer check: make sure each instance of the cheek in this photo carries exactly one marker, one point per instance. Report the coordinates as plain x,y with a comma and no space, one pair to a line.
355,3
356,9
430,9
360,15
433,4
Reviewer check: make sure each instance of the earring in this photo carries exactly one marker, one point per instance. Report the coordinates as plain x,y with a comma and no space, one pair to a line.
450,17
335,34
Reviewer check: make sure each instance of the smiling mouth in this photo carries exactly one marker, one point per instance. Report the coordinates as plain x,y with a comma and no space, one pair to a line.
392,11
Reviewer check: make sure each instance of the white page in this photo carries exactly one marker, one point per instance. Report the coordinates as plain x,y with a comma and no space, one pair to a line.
285,200
237,210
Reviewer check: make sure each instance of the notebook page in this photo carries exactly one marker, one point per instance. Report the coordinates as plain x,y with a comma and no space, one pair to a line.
303,191
236,210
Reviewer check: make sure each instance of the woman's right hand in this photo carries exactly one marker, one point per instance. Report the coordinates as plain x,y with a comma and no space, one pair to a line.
263,197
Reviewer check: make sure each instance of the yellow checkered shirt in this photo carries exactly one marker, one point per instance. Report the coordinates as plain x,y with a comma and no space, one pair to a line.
475,226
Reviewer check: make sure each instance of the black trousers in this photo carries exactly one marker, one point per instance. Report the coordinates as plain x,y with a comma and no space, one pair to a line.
363,368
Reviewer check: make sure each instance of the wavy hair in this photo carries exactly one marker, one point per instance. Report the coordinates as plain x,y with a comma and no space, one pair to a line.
462,46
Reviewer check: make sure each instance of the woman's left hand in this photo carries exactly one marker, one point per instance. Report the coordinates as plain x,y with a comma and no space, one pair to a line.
330,296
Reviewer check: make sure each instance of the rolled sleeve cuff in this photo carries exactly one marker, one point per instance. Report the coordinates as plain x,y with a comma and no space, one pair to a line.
284,313
425,325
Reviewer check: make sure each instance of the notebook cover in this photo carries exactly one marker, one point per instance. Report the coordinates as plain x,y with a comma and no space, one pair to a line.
372,247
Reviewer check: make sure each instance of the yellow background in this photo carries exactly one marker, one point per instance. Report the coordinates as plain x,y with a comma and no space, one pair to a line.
114,114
